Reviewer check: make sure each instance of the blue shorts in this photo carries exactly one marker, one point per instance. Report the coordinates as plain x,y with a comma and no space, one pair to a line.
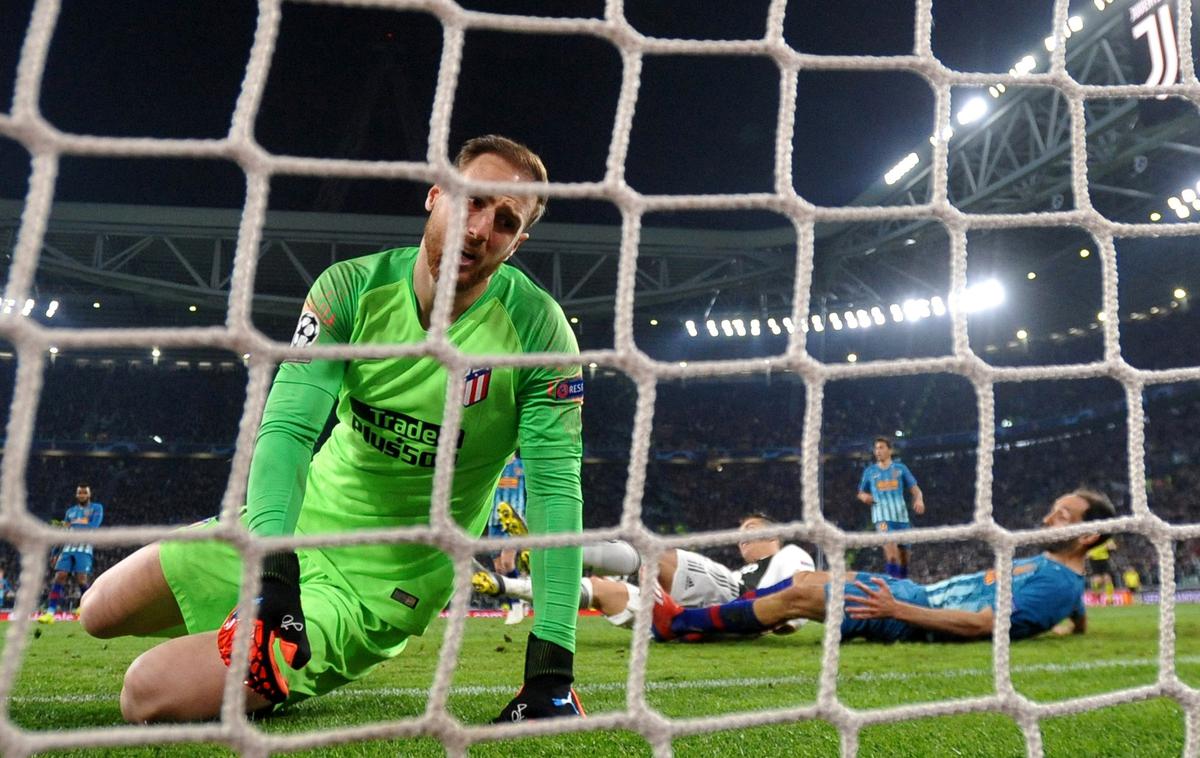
883,630
894,526
74,562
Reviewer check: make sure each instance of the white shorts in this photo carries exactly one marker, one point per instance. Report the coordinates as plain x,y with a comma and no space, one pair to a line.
701,581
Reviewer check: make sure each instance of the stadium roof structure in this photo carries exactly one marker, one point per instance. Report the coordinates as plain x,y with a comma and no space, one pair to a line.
148,263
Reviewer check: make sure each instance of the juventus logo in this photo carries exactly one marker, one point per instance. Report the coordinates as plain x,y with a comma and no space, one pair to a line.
1158,28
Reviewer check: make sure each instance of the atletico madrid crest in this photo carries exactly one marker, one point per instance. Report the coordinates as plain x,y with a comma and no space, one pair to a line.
476,386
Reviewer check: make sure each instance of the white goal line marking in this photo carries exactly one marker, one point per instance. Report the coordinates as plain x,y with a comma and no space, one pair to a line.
695,684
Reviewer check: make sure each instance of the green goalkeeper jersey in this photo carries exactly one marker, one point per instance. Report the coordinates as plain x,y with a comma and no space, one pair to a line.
376,469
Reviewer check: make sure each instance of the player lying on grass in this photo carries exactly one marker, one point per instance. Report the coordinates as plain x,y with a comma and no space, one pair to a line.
1046,589
338,612
693,579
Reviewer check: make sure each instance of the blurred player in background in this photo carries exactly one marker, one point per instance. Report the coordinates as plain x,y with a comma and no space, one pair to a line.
1100,569
1046,590
75,559
695,579
508,518
882,487
330,615
1132,581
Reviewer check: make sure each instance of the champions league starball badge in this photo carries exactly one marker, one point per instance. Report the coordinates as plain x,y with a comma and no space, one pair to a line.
307,329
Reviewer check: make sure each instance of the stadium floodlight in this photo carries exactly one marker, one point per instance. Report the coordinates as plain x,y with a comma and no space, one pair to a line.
1031,275
900,169
726,327
864,318
191,309
95,304
818,325
835,321
51,309
1182,211
1024,66
1099,4
787,324
53,350
851,319
29,304
1102,316
691,327
1022,334
156,352
739,326
877,316
773,325
1173,202
897,312
982,296
1075,23
852,358
593,365
712,327
975,109
910,309
938,306
1155,216
653,322
1188,195
1084,252
156,438
574,319
754,328
1179,293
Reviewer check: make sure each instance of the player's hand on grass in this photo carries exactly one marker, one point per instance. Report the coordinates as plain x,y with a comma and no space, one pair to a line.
878,603
279,618
547,690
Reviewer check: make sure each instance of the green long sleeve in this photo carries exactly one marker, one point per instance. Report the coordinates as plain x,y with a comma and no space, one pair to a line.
555,506
294,416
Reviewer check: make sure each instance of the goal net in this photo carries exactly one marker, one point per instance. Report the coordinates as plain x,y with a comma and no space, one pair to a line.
48,145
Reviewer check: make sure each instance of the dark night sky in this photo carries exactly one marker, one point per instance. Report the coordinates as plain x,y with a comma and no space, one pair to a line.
359,83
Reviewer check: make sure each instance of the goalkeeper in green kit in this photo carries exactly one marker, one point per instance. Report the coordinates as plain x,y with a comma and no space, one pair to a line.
329,615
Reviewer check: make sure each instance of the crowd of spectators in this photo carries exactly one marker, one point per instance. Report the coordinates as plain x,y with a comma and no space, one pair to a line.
155,442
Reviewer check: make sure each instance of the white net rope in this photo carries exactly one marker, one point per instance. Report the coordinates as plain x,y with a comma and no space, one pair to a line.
47,145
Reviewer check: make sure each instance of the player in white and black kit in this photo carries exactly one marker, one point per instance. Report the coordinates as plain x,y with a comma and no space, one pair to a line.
692,579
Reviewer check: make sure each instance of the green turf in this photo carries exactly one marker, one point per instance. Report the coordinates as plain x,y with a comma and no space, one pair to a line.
69,680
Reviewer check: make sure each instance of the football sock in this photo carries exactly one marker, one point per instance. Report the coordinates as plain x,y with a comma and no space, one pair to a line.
764,591
735,617
585,593
521,587
612,557
892,569
56,591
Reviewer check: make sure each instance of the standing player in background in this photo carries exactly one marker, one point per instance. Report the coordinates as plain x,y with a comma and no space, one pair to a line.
882,487
339,612
508,518
1100,569
75,559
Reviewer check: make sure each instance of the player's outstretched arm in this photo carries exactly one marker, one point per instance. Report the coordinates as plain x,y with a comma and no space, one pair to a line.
877,602
554,505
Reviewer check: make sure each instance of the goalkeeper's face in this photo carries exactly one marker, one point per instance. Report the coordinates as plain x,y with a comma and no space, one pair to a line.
495,224
83,495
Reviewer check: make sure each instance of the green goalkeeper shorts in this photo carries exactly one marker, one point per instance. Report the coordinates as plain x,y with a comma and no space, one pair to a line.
348,640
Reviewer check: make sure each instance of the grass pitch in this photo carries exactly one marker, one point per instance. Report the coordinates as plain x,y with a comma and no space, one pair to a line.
70,681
